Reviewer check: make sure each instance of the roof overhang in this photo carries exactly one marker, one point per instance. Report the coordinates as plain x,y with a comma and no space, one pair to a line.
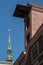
21,11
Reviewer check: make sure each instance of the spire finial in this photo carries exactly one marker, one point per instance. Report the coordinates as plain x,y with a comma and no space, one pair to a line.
9,34
9,42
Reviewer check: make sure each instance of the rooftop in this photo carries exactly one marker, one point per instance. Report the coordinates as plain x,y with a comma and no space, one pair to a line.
22,11
36,6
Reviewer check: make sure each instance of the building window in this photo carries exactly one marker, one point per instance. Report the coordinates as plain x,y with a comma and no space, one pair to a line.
22,62
36,63
41,57
41,64
40,41
34,51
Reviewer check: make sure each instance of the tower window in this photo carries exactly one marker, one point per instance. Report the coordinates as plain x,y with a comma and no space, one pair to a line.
34,51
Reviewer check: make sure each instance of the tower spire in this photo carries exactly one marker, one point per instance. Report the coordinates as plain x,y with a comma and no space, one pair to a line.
9,51
9,42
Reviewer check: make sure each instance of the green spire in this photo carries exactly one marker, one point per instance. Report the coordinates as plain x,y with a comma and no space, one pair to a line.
9,51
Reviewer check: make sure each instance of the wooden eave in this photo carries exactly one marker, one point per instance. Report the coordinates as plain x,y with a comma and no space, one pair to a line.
21,11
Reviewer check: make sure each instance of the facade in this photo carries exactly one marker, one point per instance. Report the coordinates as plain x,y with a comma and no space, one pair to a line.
33,22
36,18
35,52
33,18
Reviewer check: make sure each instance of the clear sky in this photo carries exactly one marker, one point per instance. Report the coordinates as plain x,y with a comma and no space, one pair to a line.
7,7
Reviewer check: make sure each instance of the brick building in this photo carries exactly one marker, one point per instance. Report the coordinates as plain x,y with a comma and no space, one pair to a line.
33,19
35,52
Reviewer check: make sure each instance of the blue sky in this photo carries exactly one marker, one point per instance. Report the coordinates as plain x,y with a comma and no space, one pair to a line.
7,7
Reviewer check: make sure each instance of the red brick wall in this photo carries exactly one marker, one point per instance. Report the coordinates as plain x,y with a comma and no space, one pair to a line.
37,20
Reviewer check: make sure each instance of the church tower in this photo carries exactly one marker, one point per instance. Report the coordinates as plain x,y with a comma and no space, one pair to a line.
9,50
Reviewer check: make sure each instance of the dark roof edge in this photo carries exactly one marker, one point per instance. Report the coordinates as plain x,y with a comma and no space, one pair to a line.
19,58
